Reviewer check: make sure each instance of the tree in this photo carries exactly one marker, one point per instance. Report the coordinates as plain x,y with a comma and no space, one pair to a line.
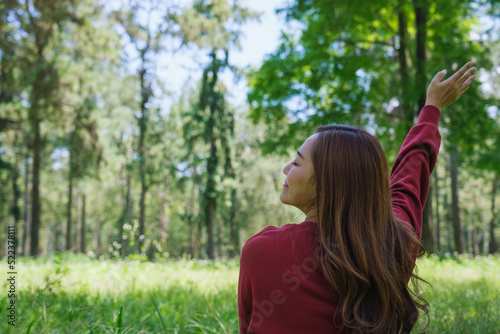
214,26
146,39
11,111
41,24
489,155
340,67
462,141
353,63
92,55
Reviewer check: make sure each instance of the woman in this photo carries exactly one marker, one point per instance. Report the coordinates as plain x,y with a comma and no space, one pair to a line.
346,268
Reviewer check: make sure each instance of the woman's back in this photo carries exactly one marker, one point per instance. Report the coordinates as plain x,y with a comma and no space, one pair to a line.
292,294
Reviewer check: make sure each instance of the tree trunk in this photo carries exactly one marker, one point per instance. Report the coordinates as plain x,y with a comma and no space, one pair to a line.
478,235
35,192
455,209
449,223
69,210
126,218
145,94
484,242
142,215
38,90
164,218
219,227
234,239
470,231
421,26
210,198
15,210
194,225
126,212
77,224
427,224
437,242
26,207
230,173
406,105
192,236
46,245
57,239
493,245
210,95
83,245
210,212
97,238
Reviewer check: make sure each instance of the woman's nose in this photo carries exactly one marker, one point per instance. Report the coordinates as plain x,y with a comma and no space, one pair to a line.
286,169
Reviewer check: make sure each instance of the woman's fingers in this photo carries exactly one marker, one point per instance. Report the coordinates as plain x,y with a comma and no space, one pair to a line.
469,80
466,76
466,84
460,72
439,76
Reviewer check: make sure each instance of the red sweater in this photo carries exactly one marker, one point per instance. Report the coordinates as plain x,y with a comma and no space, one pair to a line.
281,288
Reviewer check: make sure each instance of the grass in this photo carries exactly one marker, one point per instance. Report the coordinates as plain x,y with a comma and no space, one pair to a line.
465,294
75,294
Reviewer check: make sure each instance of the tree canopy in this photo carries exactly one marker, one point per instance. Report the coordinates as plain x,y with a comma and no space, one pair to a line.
98,156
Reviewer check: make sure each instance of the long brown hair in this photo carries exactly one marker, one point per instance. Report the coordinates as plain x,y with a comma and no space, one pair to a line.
365,252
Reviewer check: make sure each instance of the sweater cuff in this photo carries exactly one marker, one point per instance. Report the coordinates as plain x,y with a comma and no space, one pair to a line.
429,114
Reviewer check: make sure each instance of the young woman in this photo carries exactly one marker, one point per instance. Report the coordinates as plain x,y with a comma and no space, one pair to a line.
346,268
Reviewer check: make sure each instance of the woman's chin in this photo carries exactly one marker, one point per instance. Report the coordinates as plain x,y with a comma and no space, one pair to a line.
283,198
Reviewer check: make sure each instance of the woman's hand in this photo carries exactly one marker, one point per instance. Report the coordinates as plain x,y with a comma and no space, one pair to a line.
443,93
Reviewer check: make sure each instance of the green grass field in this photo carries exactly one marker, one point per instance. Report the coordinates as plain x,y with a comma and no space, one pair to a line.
74,294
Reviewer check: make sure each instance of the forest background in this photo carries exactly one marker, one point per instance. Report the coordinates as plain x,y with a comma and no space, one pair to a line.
100,154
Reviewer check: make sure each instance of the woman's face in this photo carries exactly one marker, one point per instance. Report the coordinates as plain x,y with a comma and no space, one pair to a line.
299,188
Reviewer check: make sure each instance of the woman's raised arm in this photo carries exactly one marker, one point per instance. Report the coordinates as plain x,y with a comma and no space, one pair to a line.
417,157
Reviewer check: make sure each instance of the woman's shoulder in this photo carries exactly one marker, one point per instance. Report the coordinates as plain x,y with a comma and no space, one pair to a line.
272,236
271,232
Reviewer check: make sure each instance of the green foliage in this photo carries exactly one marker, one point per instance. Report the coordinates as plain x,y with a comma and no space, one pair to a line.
335,67
73,71
341,64
212,24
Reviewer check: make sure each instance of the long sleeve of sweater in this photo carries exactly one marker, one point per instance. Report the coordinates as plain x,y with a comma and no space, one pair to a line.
410,174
